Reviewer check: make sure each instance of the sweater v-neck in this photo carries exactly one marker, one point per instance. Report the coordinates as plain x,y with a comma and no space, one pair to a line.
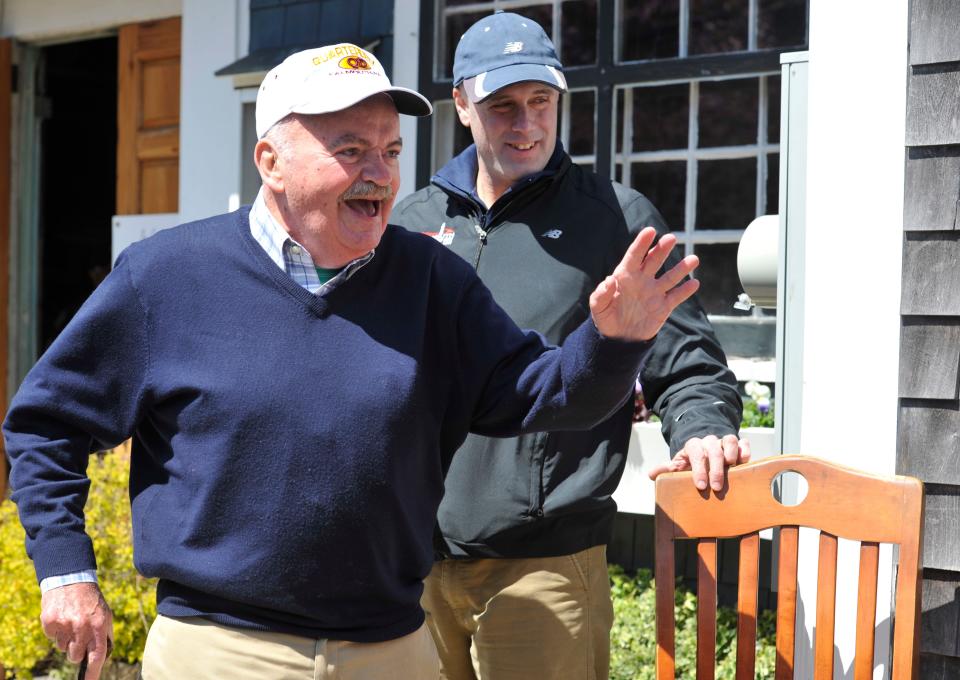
317,302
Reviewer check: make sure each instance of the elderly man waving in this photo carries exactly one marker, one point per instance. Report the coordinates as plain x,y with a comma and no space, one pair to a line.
296,377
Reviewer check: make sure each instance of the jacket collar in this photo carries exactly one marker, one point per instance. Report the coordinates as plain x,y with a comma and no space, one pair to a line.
459,175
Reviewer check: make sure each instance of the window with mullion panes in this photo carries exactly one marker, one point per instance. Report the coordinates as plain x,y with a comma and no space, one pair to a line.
703,149
705,152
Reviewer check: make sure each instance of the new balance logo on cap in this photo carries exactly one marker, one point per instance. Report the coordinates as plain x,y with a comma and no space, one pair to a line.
513,47
553,233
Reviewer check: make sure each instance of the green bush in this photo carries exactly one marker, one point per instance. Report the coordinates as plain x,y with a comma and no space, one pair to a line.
22,643
633,638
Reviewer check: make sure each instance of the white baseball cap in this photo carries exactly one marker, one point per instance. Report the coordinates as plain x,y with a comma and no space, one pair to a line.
328,79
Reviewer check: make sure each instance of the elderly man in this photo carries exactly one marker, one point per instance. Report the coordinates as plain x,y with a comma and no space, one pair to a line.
296,377
521,588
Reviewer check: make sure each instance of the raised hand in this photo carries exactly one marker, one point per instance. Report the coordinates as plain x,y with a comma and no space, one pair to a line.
632,303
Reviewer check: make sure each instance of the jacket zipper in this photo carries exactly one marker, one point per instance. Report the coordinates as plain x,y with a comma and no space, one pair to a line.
482,242
536,494
487,220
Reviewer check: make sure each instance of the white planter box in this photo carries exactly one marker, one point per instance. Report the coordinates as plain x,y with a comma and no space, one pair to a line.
635,493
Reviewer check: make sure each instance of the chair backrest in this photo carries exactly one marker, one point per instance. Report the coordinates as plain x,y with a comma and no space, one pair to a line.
840,502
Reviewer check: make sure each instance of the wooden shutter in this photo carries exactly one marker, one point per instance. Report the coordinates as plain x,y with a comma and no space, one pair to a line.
148,117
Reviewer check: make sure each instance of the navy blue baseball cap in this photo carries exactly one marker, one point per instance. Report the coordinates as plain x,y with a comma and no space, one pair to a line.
503,49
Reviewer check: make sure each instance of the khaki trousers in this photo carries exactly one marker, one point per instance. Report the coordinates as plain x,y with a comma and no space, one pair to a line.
197,649
521,619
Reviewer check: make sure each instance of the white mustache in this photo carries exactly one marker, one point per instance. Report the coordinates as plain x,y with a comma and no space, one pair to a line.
369,191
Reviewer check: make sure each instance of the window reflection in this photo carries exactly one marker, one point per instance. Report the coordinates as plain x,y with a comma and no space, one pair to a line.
660,117
773,107
773,184
781,23
582,126
728,112
665,184
650,29
718,26
578,26
726,193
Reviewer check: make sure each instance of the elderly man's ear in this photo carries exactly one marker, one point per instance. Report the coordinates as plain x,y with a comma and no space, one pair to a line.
267,159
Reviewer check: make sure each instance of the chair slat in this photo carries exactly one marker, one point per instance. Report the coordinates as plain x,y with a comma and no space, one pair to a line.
906,625
786,601
866,610
747,606
826,608
664,578
706,608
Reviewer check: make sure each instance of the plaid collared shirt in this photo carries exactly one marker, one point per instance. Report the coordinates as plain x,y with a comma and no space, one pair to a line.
289,255
51,582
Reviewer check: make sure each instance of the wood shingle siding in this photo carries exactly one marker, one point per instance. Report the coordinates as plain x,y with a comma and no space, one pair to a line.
932,195
935,667
933,106
928,428
929,358
931,275
940,529
933,31
940,627
928,441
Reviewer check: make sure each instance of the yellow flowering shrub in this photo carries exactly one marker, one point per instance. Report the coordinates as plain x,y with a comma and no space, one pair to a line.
22,643
132,597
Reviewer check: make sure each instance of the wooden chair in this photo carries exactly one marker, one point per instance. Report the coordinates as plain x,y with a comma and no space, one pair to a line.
840,503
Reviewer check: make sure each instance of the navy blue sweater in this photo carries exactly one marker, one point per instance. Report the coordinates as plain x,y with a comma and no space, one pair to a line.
289,449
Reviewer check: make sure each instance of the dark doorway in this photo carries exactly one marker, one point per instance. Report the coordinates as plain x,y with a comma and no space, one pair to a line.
78,165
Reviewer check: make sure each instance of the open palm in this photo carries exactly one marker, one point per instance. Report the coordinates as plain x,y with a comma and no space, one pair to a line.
633,303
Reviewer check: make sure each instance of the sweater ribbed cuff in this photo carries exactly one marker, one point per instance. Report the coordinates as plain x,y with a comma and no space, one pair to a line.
613,353
64,553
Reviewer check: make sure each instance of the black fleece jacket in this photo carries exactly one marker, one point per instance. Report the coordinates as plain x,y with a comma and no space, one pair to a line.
542,248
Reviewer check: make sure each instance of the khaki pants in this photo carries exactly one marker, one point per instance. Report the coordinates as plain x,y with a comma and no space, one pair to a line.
197,649
524,619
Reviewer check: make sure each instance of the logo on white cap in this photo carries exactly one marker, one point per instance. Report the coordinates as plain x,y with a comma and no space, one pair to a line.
355,63
325,80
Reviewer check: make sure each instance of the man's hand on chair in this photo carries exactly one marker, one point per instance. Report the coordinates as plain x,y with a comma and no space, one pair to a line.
709,459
